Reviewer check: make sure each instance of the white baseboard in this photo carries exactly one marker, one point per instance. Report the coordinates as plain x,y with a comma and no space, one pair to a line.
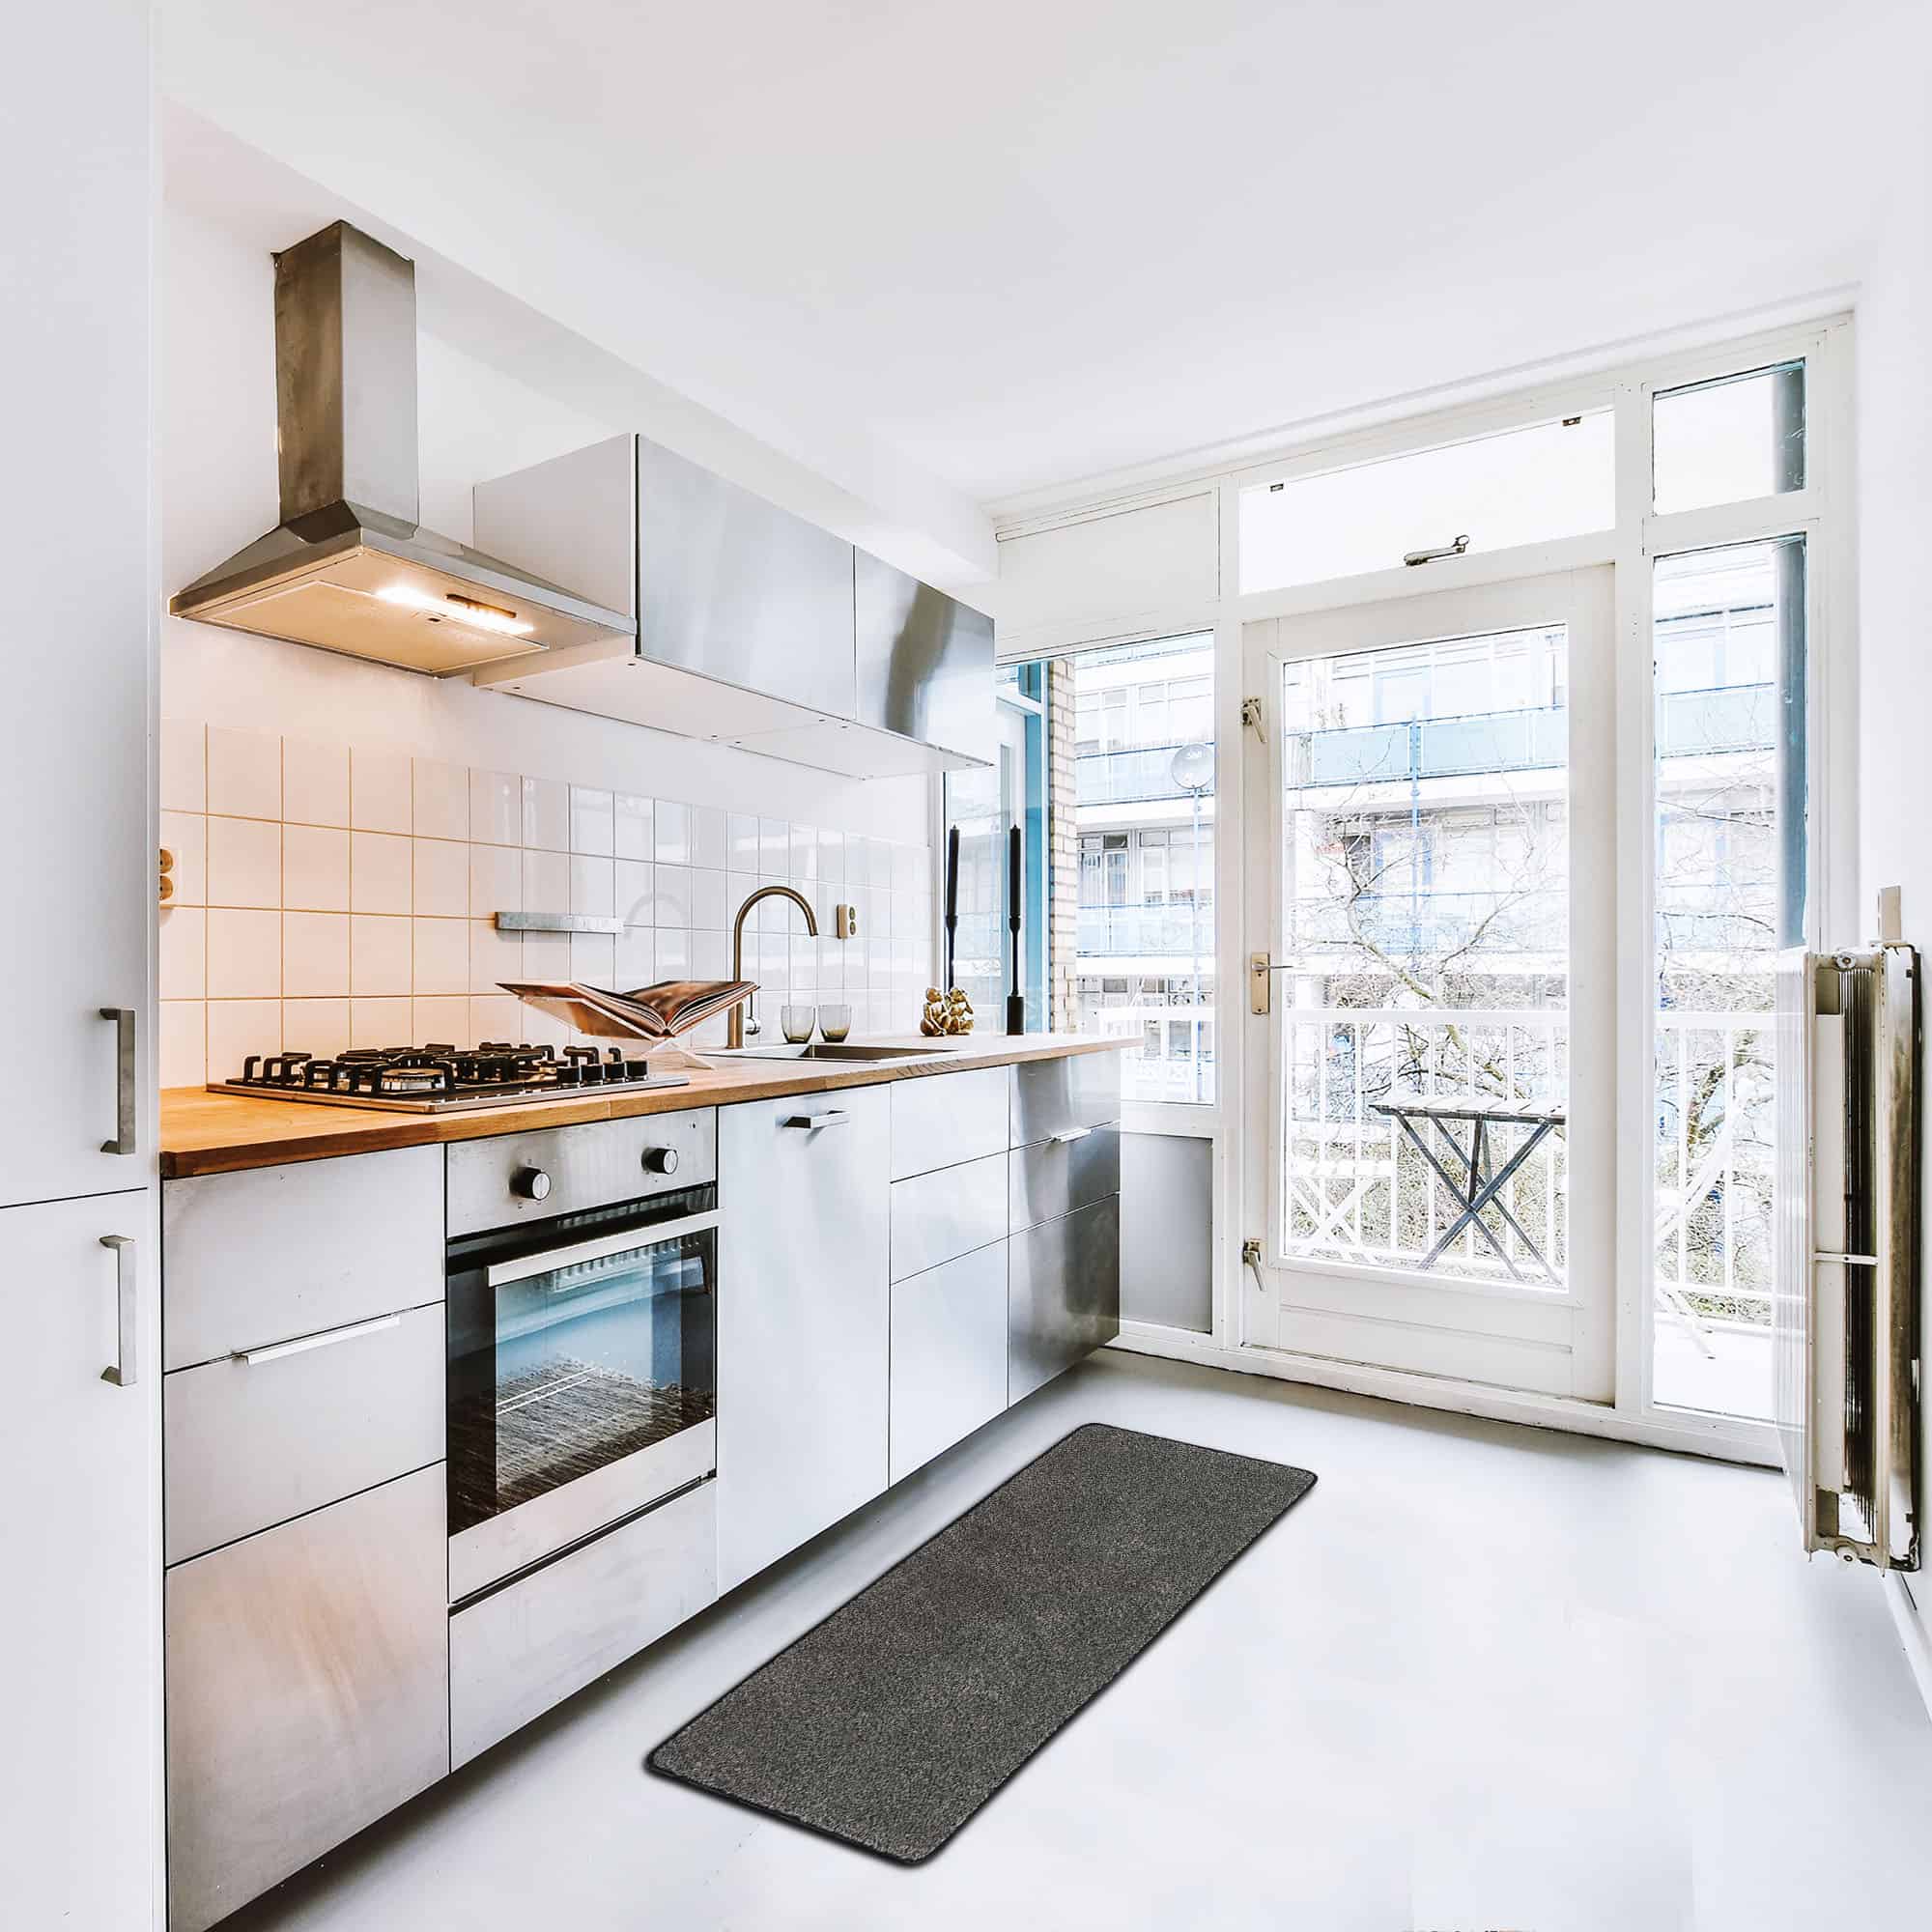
1912,1633
1723,1440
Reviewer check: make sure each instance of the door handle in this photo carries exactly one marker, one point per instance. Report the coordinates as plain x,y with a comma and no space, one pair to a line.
125,1372
1261,981
125,1098
833,1119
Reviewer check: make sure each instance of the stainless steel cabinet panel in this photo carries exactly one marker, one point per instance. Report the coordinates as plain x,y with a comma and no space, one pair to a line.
1055,1097
941,1118
1063,1295
536,1641
924,661
947,1212
589,1164
251,1443
804,1315
735,587
277,1252
949,1355
1052,1178
307,1690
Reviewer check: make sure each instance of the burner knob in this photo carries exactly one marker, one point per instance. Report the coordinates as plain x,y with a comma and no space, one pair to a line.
660,1160
530,1184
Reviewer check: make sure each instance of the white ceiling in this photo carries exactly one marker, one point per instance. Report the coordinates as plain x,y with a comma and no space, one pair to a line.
1019,241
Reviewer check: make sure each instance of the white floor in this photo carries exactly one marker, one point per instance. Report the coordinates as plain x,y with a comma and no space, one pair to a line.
1484,1676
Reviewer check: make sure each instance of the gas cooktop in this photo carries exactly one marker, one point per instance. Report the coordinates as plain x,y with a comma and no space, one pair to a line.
439,1079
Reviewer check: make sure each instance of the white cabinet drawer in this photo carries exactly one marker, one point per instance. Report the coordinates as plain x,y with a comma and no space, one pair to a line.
307,1692
941,1119
949,1355
254,1442
948,1212
1056,1096
275,1252
531,1644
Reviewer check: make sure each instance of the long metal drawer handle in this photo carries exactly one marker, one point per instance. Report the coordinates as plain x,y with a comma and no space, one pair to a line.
328,1339
833,1119
126,1110
125,1371
1071,1135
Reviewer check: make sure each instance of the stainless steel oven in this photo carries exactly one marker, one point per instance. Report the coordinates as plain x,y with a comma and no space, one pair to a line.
582,1275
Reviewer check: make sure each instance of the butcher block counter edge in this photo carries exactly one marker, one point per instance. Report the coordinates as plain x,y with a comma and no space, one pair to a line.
220,1133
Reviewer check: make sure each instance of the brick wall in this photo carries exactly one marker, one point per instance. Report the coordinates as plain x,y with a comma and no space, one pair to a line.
1062,849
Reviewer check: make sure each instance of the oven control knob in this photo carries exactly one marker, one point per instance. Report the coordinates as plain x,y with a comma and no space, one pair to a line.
660,1160
530,1184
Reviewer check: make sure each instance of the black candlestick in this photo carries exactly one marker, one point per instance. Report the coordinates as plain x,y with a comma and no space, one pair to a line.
952,899
1016,999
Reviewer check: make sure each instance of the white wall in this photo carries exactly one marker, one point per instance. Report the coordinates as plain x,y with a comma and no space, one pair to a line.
1894,432
217,485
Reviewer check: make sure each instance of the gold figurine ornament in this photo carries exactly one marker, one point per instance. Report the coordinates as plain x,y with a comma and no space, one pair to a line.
946,1013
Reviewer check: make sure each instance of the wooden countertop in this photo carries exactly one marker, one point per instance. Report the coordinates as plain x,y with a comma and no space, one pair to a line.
217,1133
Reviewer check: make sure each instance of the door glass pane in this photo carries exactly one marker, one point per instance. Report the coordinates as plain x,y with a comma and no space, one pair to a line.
1730,870
1730,440
1134,955
1424,1014
1528,485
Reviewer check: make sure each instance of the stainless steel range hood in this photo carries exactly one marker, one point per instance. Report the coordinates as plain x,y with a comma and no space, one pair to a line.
349,568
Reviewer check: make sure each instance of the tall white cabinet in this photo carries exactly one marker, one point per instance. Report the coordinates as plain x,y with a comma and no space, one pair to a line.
78,1622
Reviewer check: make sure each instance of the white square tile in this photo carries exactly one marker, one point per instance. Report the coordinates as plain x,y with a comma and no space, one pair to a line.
238,1028
546,956
547,814
831,967
540,1030
245,773
183,953
496,880
185,834
774,848
636,963
741,843
315,957
493,957
593,824
674,952
441,948
545,882
382,872
315,786
381,961
182,1045
441,799
804,965
858,859
634,889
592,885
495,809
498,1016
636,827
184,763
707,899
386,1022
315,868
442,886
317,1028
710,956
244,862
244,954
804,861
675,833
671,904
738,888
831,856
381,789
593,958
442,1020
774,965
709,836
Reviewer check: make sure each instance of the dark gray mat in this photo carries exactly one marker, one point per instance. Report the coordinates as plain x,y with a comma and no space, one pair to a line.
894,1721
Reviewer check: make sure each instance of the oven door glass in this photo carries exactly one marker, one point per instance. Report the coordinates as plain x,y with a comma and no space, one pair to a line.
579,1356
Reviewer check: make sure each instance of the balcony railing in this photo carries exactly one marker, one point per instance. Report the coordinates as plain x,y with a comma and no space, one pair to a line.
1125,778
1115,933
1431,926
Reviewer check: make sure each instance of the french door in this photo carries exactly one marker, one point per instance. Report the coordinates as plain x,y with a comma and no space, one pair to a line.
1430,1011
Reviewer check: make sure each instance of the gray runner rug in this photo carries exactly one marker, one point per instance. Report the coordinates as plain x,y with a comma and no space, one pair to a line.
894,1721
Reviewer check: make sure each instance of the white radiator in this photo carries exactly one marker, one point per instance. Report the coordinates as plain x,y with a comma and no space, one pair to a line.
1845,1305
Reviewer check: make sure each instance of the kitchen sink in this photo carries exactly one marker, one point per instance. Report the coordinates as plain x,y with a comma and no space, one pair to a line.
825,1049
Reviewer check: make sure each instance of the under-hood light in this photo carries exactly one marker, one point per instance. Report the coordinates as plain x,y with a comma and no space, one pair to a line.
467,610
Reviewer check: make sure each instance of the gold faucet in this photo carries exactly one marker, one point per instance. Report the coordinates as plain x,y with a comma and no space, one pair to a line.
734,1026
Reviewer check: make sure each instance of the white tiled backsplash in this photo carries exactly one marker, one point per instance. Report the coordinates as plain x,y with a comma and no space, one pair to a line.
330,895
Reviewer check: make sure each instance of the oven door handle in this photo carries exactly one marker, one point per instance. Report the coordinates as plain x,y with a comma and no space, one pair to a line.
499,1274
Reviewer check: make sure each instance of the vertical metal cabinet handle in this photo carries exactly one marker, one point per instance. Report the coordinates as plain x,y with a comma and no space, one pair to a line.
125,1372
125,1107
833,1119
